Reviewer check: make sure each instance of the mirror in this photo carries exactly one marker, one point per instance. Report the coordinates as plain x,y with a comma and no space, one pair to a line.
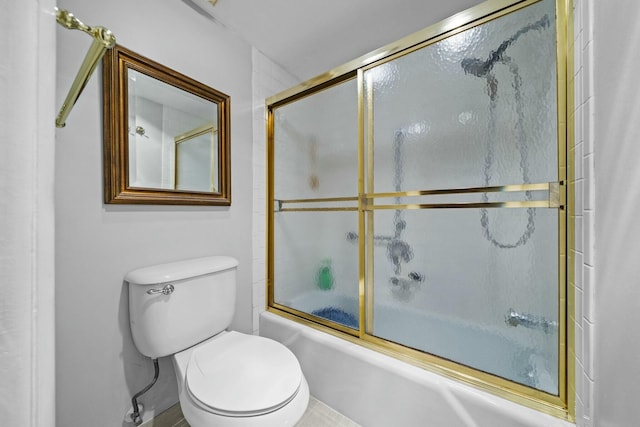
166,136
195,153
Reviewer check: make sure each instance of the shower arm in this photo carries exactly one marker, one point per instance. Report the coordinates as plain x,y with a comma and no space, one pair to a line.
482,68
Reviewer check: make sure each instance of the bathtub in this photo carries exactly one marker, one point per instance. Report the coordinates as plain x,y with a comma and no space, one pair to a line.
376,390
506,352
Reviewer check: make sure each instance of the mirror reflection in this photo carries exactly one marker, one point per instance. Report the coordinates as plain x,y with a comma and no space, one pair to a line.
195,159
166,135
171,137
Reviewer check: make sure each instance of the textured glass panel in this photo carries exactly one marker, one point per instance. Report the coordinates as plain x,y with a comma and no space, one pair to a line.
448,282
475,109
316,264
476,286
316,145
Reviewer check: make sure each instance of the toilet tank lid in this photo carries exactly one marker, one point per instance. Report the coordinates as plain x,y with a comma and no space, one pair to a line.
180,270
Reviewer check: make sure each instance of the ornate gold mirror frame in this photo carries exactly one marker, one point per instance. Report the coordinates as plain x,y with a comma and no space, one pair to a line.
121,67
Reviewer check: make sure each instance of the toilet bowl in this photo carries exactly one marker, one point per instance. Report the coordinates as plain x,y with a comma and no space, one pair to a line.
225,378
235,379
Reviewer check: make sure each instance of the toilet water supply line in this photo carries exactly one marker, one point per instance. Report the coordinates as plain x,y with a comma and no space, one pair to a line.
135,416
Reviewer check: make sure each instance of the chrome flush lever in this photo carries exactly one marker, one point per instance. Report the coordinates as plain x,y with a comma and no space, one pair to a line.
166,290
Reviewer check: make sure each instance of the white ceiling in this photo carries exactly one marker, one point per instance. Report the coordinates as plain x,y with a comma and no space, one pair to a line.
309,37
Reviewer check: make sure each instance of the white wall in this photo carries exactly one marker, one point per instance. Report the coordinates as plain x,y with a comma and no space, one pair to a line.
27,67
268,79
98,367
613,136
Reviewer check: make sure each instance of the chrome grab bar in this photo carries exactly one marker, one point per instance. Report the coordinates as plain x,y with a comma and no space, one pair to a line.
166,290
530,321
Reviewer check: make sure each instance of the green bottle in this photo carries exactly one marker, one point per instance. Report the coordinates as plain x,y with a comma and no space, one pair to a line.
325,275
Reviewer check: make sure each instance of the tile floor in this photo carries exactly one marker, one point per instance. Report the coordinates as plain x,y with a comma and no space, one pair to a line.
317,415
320,415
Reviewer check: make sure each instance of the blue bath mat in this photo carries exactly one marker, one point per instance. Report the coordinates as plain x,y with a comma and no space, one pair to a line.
337,315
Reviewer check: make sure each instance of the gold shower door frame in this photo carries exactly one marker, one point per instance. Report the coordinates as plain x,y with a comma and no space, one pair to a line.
560,197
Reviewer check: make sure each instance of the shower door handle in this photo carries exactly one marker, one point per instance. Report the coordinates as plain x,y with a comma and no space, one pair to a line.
557,198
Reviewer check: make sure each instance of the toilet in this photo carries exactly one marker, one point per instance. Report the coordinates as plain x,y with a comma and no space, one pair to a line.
225,378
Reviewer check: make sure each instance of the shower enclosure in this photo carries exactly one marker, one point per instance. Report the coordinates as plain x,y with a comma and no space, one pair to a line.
418,200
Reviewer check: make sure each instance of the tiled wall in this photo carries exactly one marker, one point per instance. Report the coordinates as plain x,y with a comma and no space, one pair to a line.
268,79
584,210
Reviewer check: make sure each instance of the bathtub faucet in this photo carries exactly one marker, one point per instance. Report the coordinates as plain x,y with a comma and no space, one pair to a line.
530,321
398,251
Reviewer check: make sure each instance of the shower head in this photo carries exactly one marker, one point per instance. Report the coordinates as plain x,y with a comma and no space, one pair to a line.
476,67
481,68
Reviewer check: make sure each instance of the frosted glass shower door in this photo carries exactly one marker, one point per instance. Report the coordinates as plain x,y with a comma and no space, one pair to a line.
466,266
315,217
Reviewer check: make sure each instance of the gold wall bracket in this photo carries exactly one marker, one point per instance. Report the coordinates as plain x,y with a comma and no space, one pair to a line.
103,39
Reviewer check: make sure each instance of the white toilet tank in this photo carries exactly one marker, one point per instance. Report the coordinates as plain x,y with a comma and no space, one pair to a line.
176,305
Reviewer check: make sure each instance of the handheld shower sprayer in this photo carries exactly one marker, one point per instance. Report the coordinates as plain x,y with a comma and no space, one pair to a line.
483,68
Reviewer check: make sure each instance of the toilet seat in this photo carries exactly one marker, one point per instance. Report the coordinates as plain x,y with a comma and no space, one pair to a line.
242,375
